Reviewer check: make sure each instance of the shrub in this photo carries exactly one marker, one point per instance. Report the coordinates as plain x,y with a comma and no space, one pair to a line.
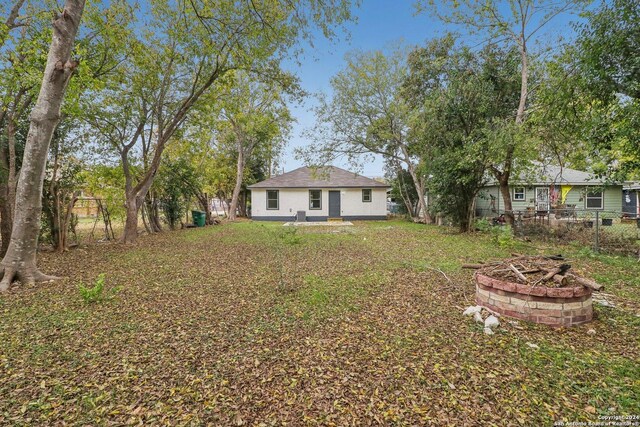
483,224
502,236
96,293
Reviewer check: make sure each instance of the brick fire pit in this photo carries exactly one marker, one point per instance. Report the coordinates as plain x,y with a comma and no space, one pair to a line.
567,306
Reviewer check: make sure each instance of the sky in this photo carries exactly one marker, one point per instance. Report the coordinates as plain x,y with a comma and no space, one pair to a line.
380,23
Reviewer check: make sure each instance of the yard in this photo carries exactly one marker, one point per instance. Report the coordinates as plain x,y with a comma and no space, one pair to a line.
253,324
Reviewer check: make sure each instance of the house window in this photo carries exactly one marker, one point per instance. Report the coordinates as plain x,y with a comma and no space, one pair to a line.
315,199
366,195
594,199
273,199
519,194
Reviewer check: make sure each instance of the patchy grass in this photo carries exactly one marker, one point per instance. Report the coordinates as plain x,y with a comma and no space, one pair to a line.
255,324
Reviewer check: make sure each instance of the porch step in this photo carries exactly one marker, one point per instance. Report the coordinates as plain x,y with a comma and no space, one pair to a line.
334,219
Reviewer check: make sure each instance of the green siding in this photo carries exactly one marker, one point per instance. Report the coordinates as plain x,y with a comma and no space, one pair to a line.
576,196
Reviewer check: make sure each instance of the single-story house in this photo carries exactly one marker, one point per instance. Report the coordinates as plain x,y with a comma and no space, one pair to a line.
548,187
631,200
318,194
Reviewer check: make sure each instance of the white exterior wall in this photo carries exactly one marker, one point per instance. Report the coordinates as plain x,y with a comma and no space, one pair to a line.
292,200
351,202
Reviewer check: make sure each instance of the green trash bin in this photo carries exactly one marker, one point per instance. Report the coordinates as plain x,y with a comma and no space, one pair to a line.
199,218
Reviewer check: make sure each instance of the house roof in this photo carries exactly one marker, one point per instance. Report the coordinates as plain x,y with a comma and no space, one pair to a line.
320,177
542,174
632,186
563,175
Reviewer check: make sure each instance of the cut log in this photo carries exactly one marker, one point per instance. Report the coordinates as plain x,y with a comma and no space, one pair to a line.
587,283
473,266
517,273
559,270
560,280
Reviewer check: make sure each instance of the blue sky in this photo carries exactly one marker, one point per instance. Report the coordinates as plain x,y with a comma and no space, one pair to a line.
380,23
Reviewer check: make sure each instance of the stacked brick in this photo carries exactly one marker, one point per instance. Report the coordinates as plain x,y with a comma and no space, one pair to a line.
566,306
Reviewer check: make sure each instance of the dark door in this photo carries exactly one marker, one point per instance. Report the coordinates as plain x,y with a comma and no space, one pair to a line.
334,204
629,203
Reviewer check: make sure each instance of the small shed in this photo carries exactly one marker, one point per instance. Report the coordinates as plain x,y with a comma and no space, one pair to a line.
319,194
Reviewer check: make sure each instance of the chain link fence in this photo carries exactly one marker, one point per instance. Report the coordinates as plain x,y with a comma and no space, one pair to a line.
603,231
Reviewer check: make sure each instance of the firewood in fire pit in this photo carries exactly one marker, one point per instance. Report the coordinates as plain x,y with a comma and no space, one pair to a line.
544,270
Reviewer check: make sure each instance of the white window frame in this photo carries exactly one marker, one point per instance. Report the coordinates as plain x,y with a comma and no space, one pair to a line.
523,192
587,198
370,195
319,199
277,200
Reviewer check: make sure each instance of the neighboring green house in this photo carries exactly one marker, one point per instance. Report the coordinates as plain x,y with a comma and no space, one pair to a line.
549,188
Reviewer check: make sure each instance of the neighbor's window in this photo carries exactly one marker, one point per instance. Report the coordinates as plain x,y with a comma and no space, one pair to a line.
273,199
595,199
366,195
315,199
519,194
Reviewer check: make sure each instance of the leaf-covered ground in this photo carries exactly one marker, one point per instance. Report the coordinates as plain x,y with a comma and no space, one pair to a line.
252,324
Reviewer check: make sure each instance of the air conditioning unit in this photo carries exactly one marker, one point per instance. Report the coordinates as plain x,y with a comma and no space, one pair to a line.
301,216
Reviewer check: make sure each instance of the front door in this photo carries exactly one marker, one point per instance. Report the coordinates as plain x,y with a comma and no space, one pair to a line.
334,204
629,203
542,198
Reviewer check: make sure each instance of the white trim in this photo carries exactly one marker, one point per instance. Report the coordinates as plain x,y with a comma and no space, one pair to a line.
524,194
586,200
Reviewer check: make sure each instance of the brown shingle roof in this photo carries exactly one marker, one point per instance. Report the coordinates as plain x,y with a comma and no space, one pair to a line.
323,177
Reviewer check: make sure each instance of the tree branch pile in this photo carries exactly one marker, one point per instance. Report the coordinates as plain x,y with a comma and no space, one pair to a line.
535,270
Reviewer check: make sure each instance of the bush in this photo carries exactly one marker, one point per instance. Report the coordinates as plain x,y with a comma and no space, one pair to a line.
483,224
502,236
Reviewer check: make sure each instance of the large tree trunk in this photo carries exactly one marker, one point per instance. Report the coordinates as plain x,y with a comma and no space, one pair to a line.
203,201
411,210
504,175
424,209
5,220
135,197
20,259
130,233
8,185
153,213
236,190
506,198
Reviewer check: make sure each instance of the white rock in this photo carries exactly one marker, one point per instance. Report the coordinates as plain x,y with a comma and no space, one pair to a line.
471,310
478,317
591,331
606,303
533,346
488,331
491,322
